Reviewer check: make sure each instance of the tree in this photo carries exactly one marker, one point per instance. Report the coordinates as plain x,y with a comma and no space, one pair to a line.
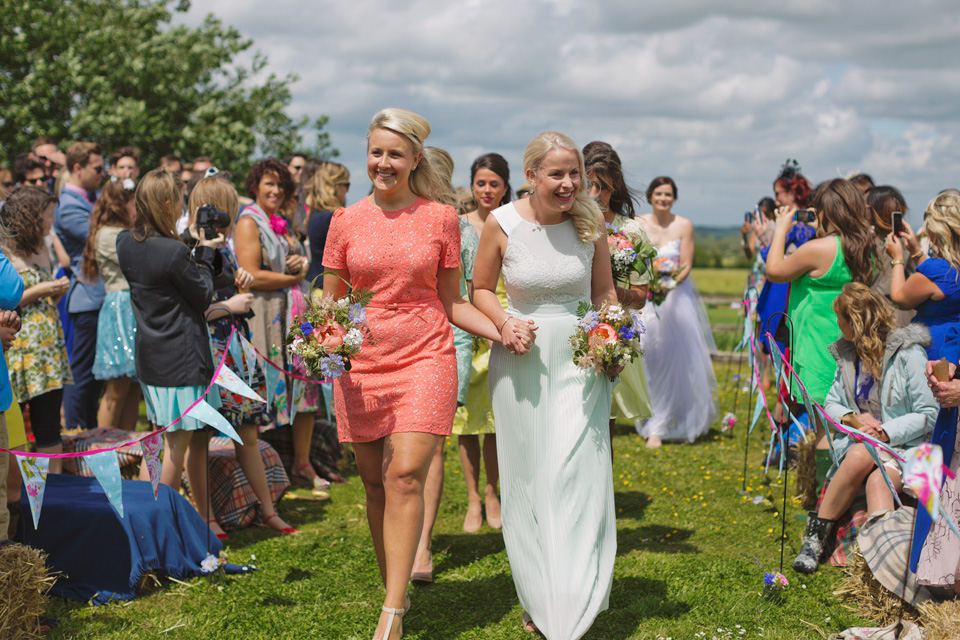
116,72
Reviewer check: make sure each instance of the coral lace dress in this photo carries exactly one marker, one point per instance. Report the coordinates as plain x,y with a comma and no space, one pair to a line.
405,377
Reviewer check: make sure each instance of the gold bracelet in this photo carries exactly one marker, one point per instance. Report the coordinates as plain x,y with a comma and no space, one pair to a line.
916,256
503,324
894,263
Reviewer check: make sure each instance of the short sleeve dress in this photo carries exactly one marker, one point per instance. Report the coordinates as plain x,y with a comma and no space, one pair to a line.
405,377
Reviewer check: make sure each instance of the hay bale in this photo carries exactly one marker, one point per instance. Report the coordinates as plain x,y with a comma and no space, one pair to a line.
807,473
870,599
941,620
24,582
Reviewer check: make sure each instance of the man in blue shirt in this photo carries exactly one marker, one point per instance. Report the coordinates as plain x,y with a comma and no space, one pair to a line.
71,221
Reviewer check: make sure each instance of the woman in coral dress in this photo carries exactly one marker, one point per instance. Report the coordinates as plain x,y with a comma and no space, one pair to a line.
397,402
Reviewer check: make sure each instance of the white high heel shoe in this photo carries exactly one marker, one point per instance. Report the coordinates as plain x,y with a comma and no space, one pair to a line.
394,613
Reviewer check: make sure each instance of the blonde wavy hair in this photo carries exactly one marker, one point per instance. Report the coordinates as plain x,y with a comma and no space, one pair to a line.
443,163
425,180
159,204
942,225
871,319
321,190
585,212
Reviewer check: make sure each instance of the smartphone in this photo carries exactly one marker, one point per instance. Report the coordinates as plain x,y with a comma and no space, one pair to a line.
748,217
804,215
897,219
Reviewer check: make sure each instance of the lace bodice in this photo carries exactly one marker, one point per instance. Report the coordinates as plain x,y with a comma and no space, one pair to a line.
544,264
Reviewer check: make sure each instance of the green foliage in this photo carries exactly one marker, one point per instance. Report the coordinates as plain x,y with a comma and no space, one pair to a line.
718,247
117,72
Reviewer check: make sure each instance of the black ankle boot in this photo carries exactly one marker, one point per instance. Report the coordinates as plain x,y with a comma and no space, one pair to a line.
814,535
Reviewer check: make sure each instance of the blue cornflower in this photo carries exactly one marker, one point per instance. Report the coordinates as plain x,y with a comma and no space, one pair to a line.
357,313
768,579
331,366
307,328
626,333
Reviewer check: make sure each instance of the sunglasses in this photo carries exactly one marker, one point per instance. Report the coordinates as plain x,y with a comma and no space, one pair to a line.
7,185
35,181
98,169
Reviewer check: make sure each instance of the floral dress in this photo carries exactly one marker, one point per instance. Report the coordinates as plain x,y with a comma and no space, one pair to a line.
38,358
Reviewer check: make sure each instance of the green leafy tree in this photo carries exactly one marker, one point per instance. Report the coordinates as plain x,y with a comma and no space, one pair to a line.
117,72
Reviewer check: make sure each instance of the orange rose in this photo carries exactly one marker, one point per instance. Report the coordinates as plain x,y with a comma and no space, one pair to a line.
329,335
604,332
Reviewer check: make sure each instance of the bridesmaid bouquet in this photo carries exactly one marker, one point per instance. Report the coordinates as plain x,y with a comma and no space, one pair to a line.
629,252
666,272
327,332
606,337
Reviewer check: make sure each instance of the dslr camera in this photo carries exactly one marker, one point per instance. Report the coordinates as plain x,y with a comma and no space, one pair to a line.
211,220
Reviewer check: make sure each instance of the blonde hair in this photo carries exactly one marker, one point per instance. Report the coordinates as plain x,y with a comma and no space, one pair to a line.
871,319
159,204
321,190
585,212
443,163
942,226
425,181
217,192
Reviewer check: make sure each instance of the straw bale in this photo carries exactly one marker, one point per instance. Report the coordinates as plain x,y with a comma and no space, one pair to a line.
807,473
24,582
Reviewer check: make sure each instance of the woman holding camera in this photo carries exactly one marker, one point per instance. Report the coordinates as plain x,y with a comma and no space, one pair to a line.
268,249
934,290
817,271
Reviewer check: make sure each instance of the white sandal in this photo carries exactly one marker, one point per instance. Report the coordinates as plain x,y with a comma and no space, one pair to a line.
393,616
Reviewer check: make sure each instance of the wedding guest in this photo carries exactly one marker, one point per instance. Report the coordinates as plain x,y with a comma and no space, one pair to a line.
326,191
230,309
880,388
817,271
125,163
11,290
397,401
490,188
6,182
29,172
934,289
72,224
862,181
171,163
114,362
552,417
171,287
882,202
267,249
39,368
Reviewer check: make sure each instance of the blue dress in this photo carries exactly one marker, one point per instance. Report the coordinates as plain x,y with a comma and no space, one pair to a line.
939,315
773,296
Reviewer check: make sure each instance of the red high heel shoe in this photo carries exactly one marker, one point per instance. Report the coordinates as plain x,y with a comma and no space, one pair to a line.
222,536
290,531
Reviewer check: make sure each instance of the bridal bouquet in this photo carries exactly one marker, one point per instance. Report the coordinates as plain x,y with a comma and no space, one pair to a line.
327,332
607,336
629,252
666,271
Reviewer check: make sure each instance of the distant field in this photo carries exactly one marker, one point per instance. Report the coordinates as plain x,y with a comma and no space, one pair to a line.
720,282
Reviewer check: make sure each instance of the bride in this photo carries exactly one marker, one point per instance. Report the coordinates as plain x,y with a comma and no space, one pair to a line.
683,387
552,443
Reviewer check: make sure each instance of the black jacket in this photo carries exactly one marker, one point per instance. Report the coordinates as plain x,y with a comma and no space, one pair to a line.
171,287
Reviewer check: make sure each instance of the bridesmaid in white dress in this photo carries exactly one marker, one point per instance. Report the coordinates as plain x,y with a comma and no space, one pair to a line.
678,341
552,442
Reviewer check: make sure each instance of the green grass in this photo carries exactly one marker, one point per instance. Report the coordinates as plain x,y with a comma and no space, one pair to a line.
688,561
721,282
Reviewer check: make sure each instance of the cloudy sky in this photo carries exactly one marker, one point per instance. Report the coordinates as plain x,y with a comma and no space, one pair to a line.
715,94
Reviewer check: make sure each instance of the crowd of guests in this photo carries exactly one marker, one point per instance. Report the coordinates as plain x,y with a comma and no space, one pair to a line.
864,307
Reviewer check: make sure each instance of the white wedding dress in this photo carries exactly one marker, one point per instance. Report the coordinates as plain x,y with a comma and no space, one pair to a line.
678,341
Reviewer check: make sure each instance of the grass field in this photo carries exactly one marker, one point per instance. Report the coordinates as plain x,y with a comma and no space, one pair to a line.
690,559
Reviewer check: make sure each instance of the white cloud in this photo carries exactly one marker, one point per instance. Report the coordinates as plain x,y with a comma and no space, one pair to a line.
716,94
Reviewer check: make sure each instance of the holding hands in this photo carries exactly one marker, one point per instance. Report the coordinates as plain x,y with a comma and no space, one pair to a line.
517,336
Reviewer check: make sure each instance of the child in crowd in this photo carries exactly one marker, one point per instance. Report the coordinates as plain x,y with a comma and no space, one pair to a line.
39,367
171,287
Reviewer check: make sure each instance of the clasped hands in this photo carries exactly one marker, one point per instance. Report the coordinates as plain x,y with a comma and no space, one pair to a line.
518,336
870,426
946,393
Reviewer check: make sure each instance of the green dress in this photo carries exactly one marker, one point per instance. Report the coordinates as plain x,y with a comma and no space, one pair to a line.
463,341
38,356
631,398
810,307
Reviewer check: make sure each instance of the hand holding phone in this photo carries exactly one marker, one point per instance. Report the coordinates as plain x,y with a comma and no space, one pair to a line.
896,218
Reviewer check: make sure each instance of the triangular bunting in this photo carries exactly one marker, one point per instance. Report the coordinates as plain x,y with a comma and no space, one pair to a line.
107,471
250,360
151,446
34,473
237,355
207,414
271,375
296,392
230,381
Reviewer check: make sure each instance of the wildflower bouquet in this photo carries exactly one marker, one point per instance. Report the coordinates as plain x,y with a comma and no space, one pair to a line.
774,584
606,337
728,422
630,252
327,332
666,272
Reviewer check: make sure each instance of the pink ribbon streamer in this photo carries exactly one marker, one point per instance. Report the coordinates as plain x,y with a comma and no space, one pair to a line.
288,373
216,374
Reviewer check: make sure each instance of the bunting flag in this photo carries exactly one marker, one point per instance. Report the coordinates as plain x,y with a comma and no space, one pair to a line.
273,379
230,381
923,474
34,473
151,446
238,356
207,414
296,391
107,471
